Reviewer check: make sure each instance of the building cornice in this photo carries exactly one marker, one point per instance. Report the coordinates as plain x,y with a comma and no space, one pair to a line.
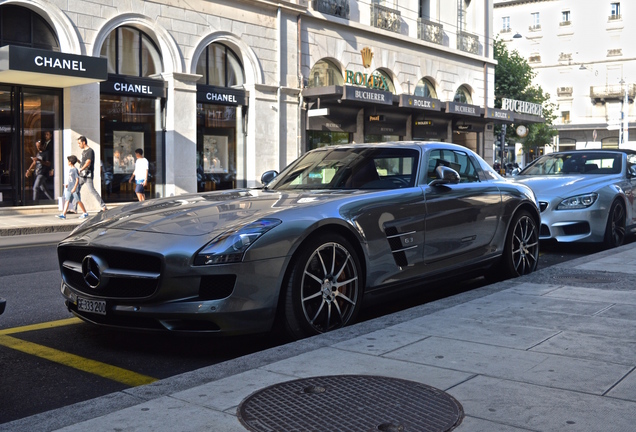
505,3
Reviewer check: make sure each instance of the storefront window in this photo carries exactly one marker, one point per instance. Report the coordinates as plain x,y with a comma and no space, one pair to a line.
317,139
216,147
463,96
325,73
23,27
425,89
131,52
220,67
129,123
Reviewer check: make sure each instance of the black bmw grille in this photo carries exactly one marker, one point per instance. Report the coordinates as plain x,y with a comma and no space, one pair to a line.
128,285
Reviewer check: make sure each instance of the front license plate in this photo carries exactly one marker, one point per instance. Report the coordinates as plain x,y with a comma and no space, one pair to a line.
92,306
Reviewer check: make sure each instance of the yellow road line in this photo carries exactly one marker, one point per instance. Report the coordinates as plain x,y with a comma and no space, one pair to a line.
41,326
80,363
94,367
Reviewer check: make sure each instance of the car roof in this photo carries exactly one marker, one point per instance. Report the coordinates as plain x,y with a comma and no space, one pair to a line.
606,150
424,145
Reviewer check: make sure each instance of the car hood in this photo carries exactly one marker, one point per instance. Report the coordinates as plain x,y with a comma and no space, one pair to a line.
565,185
205,213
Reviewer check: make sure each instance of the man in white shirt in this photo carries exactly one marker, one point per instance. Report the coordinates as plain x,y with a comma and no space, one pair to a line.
140,174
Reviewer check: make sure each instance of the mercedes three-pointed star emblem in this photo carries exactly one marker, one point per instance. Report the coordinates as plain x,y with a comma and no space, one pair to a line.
92,269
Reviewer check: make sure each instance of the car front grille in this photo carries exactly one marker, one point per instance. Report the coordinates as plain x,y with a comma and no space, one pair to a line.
116,273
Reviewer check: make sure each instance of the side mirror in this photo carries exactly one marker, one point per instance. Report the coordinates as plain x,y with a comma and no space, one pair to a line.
631,171
268,176
445,175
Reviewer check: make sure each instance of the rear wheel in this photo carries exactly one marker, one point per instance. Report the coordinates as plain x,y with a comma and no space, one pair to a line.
521,251
615,230
324,288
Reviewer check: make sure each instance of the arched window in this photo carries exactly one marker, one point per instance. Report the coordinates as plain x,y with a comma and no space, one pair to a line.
463,96
387,78
131,52
325,73
425,89
23,27
220,67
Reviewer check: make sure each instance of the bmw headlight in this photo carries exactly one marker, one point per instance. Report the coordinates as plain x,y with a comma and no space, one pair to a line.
230,247
578,202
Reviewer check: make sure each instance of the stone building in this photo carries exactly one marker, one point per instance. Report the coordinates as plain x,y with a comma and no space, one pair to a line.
217,92
584,58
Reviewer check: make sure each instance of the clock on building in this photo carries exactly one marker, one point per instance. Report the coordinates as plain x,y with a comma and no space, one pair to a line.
522,130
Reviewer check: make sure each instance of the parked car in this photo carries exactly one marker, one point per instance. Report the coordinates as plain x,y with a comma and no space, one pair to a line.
337,225
3,304
584,195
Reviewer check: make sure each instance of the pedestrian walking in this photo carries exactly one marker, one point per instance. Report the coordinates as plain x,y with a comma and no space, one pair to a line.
40,166
72,189
87,169
140,174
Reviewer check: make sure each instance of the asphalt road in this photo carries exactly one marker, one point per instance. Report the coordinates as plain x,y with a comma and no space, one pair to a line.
50,359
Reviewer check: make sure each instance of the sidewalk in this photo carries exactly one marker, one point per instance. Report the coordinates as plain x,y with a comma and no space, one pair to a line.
35,220
551,351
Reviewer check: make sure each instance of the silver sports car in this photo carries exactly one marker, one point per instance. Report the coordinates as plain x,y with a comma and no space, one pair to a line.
584,195
337,225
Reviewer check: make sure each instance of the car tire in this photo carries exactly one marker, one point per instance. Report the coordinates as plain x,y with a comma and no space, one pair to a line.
521,250
324,287
615,230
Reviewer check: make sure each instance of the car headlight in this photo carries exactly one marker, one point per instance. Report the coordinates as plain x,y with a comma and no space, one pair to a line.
578,202
230,247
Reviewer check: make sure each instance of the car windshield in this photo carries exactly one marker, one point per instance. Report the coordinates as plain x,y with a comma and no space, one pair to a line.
575,163
350,168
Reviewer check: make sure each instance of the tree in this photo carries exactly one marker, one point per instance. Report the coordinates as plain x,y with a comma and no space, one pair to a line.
513,80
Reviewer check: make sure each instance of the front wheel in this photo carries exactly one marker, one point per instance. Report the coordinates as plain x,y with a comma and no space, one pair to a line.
324,288
615,230
521,251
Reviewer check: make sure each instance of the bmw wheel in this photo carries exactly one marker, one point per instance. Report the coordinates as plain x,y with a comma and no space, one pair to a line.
324,289
615,230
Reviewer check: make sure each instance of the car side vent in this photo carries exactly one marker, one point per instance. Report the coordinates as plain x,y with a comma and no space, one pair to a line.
395,242
543,206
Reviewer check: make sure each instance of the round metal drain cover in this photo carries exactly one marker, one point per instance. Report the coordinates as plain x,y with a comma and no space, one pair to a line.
350,403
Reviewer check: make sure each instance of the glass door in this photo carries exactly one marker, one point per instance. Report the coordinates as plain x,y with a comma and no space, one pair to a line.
8,142
28,174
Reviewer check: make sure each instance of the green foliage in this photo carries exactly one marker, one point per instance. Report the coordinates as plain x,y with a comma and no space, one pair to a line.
513,80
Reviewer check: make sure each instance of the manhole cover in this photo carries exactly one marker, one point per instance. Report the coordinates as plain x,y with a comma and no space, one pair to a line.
350,403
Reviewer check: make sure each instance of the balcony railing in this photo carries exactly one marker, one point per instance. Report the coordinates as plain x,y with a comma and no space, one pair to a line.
430,31
535,58
385,18
615,52
565,23
536,27
339,8
615,17
468,42
565,57
612,92
564,91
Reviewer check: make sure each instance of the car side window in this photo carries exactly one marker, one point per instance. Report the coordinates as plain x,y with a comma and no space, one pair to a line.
457,160
631,164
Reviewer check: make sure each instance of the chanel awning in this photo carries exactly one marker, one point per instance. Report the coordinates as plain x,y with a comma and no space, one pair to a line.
30,66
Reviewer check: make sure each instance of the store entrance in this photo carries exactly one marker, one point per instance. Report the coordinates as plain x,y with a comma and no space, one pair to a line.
26,115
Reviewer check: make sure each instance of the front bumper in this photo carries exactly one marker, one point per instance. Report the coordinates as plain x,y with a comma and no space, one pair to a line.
566,226
187,300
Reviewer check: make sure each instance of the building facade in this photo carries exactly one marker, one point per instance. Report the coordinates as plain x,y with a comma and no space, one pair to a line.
217,92
584,58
